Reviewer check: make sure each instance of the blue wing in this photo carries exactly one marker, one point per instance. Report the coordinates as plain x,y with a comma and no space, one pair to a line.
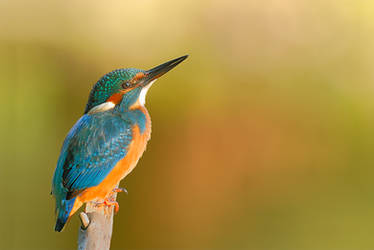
91,150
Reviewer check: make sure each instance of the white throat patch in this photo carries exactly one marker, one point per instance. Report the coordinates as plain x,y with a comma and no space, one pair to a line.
102,107
143,93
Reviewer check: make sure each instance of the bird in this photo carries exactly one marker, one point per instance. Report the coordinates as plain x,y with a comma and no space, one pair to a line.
105,144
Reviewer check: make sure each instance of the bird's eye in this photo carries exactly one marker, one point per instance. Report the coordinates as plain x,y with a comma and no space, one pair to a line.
125,85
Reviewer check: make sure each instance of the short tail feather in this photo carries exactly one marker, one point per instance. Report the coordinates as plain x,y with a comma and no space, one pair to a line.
60,223
63,213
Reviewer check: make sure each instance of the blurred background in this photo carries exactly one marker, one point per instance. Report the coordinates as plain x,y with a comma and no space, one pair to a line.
262,139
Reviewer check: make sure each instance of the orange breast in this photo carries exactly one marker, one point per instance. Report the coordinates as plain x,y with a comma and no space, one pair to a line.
122,168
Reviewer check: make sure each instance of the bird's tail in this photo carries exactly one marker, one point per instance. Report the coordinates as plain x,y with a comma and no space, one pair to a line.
63,213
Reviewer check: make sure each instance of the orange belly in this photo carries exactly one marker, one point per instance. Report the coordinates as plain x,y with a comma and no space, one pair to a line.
122,168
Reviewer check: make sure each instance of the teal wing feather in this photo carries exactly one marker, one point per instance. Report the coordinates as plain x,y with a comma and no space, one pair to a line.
91,150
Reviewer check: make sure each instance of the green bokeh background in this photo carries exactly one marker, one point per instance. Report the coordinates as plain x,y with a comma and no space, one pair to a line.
262,139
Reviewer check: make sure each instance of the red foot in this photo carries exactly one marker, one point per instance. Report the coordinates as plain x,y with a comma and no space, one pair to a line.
112,203
109,203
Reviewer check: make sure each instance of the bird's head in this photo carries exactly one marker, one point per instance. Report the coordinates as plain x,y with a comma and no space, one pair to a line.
125,85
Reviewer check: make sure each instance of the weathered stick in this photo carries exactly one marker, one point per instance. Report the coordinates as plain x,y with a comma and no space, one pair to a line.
97,225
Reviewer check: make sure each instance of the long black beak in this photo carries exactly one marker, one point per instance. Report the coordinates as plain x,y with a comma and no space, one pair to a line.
158,71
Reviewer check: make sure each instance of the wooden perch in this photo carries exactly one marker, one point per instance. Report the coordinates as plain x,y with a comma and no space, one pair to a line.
95,232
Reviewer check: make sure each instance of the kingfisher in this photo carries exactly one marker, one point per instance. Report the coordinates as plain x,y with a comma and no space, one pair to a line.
105,144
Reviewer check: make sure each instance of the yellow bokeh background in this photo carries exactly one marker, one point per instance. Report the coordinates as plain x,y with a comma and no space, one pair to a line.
261,139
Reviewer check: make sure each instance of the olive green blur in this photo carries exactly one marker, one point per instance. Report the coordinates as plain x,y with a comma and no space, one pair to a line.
262,139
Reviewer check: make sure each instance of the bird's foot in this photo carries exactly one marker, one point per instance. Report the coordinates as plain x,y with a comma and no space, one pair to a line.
119,190
112,203
107,202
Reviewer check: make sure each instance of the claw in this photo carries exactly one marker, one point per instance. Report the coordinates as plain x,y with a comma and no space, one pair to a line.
119,190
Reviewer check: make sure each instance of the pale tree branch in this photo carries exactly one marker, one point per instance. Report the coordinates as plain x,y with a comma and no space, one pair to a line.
95,232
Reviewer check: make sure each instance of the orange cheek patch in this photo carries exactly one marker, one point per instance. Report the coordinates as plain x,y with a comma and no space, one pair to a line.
115,98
